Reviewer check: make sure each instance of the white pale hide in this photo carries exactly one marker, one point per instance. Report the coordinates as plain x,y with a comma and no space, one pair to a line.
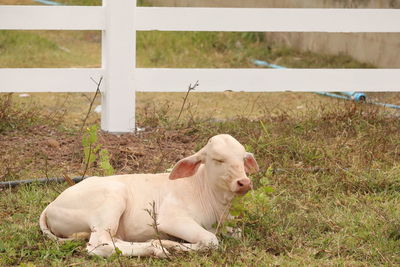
111,211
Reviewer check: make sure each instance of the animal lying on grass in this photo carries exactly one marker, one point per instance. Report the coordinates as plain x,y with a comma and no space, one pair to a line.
112,210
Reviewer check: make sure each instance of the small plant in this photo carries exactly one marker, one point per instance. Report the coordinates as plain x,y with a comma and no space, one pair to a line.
253,204
118,252
190,88
152,213
93,152
104,162
254,200
14,116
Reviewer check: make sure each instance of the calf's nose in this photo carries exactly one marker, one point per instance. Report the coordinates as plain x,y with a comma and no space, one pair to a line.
244,185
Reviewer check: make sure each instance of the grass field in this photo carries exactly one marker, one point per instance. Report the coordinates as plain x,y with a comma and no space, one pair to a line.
333,169
327,193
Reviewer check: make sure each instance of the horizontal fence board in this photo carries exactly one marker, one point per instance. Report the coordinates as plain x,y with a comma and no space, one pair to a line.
210,80
260,80
268,19
52,18
205,19
49,80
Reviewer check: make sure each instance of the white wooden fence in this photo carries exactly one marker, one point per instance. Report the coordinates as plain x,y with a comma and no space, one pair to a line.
120,19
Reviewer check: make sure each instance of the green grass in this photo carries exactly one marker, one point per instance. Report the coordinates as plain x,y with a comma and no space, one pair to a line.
159,49
46,49
333,166
345,213
226,50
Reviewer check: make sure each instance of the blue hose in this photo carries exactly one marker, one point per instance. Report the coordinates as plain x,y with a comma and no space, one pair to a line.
385,105
332,95
48,2
266,64
355,96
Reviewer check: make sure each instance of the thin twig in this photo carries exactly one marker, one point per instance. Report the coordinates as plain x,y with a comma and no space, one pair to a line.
190,88
46,172
91,103
75,264
384,258
60,112
117,250
163,153
153,215
99,245
87,115
68,179
87,161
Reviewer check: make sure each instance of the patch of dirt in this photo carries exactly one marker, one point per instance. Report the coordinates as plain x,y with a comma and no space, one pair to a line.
44,151
152,151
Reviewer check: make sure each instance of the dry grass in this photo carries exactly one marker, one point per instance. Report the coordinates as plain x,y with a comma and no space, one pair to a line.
335,180
333,165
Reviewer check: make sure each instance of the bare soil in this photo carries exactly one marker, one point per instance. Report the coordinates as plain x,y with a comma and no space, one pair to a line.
43,151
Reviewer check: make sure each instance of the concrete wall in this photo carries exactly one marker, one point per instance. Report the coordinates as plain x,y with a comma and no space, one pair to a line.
380,49
281,3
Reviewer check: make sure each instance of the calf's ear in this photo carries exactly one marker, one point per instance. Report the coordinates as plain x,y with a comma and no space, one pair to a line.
250,163
186,167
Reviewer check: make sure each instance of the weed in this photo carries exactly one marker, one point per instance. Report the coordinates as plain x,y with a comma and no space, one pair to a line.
154,216
92,151
190,88
17,116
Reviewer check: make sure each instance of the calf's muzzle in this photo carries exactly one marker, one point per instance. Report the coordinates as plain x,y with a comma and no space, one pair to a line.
243,185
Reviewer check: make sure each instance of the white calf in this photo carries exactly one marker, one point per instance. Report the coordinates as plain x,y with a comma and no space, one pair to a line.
111,211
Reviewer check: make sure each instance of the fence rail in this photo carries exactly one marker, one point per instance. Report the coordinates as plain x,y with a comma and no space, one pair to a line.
193,19
119,21
212,80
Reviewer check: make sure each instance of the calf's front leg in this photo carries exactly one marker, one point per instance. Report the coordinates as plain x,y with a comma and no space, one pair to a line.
187,229
102,243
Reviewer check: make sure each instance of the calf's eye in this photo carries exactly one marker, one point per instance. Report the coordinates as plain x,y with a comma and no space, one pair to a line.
219,161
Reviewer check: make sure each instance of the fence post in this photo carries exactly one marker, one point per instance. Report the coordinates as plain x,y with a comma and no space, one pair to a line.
118,63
